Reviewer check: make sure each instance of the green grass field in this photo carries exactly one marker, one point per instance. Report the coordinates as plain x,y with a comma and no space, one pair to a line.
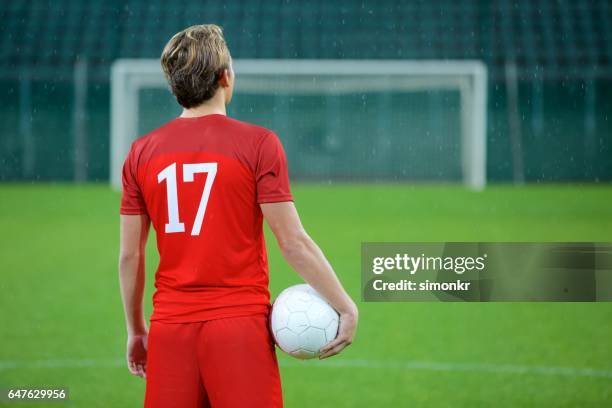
62,323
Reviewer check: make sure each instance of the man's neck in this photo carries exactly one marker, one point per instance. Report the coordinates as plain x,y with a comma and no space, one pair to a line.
210,107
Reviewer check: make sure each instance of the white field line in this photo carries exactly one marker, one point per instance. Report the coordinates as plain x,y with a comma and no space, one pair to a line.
464,367
346,363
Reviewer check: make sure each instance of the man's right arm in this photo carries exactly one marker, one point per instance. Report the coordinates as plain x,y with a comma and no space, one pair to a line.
133,238
307,259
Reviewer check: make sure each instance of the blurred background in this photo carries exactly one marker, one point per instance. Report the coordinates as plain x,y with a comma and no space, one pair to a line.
549,94
372,164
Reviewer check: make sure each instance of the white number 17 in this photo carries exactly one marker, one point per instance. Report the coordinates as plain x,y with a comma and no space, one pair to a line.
189,170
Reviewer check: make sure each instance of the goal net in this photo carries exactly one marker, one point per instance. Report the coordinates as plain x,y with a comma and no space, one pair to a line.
356,120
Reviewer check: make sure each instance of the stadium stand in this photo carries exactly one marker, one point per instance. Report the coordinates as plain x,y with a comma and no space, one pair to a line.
553,38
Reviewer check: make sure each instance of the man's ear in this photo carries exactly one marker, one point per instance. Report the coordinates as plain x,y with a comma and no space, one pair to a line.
224,78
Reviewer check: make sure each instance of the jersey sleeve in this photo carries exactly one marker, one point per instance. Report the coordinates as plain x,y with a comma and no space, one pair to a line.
272,175
132,201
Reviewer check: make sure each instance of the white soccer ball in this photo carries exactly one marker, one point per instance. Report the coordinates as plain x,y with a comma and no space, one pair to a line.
303,322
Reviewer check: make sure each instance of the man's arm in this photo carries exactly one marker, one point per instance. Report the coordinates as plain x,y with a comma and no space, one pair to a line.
303,254
134,233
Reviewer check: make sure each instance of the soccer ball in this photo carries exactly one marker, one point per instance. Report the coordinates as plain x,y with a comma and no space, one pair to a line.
303,322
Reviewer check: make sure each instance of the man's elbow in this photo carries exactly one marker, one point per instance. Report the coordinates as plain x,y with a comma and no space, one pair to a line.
294,245
129,258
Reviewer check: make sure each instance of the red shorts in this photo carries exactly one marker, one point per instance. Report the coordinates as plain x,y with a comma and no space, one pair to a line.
224,363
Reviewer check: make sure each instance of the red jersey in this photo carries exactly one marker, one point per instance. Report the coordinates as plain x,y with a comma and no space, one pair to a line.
201,180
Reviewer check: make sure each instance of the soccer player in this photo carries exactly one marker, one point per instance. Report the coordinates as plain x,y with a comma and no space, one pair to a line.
206,182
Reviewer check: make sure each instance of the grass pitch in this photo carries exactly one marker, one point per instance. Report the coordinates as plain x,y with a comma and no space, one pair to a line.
62,322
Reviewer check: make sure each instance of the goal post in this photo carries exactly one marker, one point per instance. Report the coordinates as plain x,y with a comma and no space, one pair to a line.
330,77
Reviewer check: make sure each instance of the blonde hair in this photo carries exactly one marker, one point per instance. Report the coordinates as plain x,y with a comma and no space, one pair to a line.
193,61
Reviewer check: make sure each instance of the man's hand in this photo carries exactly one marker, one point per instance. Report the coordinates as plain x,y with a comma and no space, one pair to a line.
137,354
346,332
